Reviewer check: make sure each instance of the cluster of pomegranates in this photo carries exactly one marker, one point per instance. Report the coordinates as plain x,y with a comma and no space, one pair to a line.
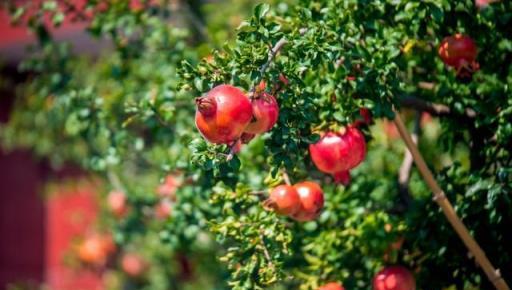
459,51
118,203
226,115
302,202
97,250
389,278
336,153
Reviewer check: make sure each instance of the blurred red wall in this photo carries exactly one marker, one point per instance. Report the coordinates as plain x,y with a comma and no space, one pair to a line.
37,233
22,220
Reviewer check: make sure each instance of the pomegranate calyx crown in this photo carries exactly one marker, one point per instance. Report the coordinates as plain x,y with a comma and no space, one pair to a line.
206,106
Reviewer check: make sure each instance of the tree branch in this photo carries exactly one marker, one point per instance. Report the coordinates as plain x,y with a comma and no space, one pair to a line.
272,54
404,173
434,109
440,198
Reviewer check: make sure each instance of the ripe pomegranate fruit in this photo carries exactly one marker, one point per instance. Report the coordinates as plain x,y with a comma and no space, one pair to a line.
394,278
337,153
459,51
223,114
312,201
365,117
265,112
168,188
133,265
332,286
366,114
481,4
163,209
284,200
117,203
94,249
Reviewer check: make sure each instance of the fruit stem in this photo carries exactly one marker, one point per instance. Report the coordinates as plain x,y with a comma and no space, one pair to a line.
443,202
342,177
286,177
232,152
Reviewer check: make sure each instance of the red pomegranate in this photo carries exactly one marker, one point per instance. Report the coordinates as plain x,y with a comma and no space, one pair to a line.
332,286
168,188
223,114
458,51
312,201
95,249
265,112
133,265
117,203
364,119
284,200
481,4
337,153
163,209
394,278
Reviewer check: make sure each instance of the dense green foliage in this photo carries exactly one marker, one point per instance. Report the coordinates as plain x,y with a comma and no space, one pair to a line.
128,115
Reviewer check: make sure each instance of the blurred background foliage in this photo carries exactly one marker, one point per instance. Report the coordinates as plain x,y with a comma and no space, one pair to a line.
125,114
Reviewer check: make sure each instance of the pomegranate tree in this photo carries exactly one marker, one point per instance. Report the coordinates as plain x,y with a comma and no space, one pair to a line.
223,114
338,152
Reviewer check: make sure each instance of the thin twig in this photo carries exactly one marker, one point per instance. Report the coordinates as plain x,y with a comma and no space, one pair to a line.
272,54
265,251
286,177
115,181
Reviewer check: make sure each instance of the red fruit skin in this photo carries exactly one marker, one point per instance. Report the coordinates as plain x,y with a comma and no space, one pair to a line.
265,112
117,203
481,4
223,114
284,79
394,278
285,200
367,115
94,249
457,50
163,209
168,188
337,153
332,286
312,201
133,265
